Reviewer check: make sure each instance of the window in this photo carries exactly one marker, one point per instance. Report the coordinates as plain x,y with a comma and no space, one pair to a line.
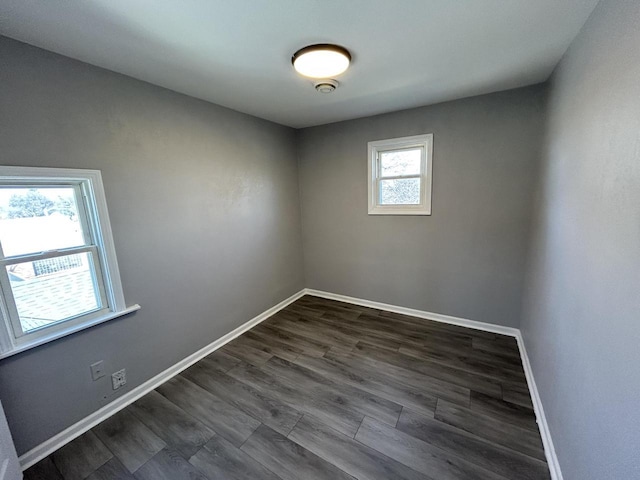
400,176
58,268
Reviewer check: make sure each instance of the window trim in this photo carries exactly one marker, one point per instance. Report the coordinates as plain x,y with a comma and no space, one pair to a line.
374,149
97,215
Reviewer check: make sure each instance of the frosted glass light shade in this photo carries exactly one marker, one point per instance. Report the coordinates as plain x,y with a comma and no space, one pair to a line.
321,61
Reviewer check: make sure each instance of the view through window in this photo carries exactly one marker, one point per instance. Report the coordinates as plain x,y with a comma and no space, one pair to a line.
400,177
51,272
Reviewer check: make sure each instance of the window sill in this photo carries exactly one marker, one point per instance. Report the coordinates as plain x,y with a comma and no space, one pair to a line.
63,333
377,210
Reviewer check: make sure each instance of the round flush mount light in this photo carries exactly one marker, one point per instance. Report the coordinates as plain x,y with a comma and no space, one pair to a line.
321,61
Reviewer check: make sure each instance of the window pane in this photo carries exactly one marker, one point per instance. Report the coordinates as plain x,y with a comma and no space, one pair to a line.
402,191
34,220
53,290
400,162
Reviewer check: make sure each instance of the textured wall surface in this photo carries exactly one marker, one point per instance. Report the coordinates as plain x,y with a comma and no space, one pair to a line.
204,207
582,316
466,259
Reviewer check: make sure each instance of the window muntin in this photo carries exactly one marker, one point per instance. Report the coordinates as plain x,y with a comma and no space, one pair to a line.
400,176
58,271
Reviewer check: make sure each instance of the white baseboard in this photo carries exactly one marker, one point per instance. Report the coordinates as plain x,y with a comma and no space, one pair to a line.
549,450
438,317
41,451
46,448
543,426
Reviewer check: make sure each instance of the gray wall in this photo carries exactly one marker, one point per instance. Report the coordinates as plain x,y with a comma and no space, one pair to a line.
582,317
204,208
466,259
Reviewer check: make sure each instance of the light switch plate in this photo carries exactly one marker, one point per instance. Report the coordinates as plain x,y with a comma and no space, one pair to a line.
97,370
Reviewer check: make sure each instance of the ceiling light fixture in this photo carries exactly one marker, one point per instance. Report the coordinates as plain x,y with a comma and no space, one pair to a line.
321,61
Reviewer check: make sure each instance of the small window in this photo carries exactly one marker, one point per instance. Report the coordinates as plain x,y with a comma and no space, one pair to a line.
58,269
400,176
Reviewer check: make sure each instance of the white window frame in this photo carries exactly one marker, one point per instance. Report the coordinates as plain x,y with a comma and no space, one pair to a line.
425,142
95,217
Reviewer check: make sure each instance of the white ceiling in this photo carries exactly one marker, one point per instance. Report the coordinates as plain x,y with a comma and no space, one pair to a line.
237,53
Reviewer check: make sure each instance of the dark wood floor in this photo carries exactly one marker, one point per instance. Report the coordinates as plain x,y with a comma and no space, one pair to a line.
326,390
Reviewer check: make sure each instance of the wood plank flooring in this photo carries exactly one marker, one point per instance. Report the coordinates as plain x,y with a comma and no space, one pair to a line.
329,391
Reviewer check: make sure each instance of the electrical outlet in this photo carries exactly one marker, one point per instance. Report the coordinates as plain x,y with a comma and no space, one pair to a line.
119,379
97,370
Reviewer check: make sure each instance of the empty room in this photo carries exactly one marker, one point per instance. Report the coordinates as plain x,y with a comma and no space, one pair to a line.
320,240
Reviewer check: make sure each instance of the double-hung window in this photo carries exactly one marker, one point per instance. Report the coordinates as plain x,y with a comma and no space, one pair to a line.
400,171
58,269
